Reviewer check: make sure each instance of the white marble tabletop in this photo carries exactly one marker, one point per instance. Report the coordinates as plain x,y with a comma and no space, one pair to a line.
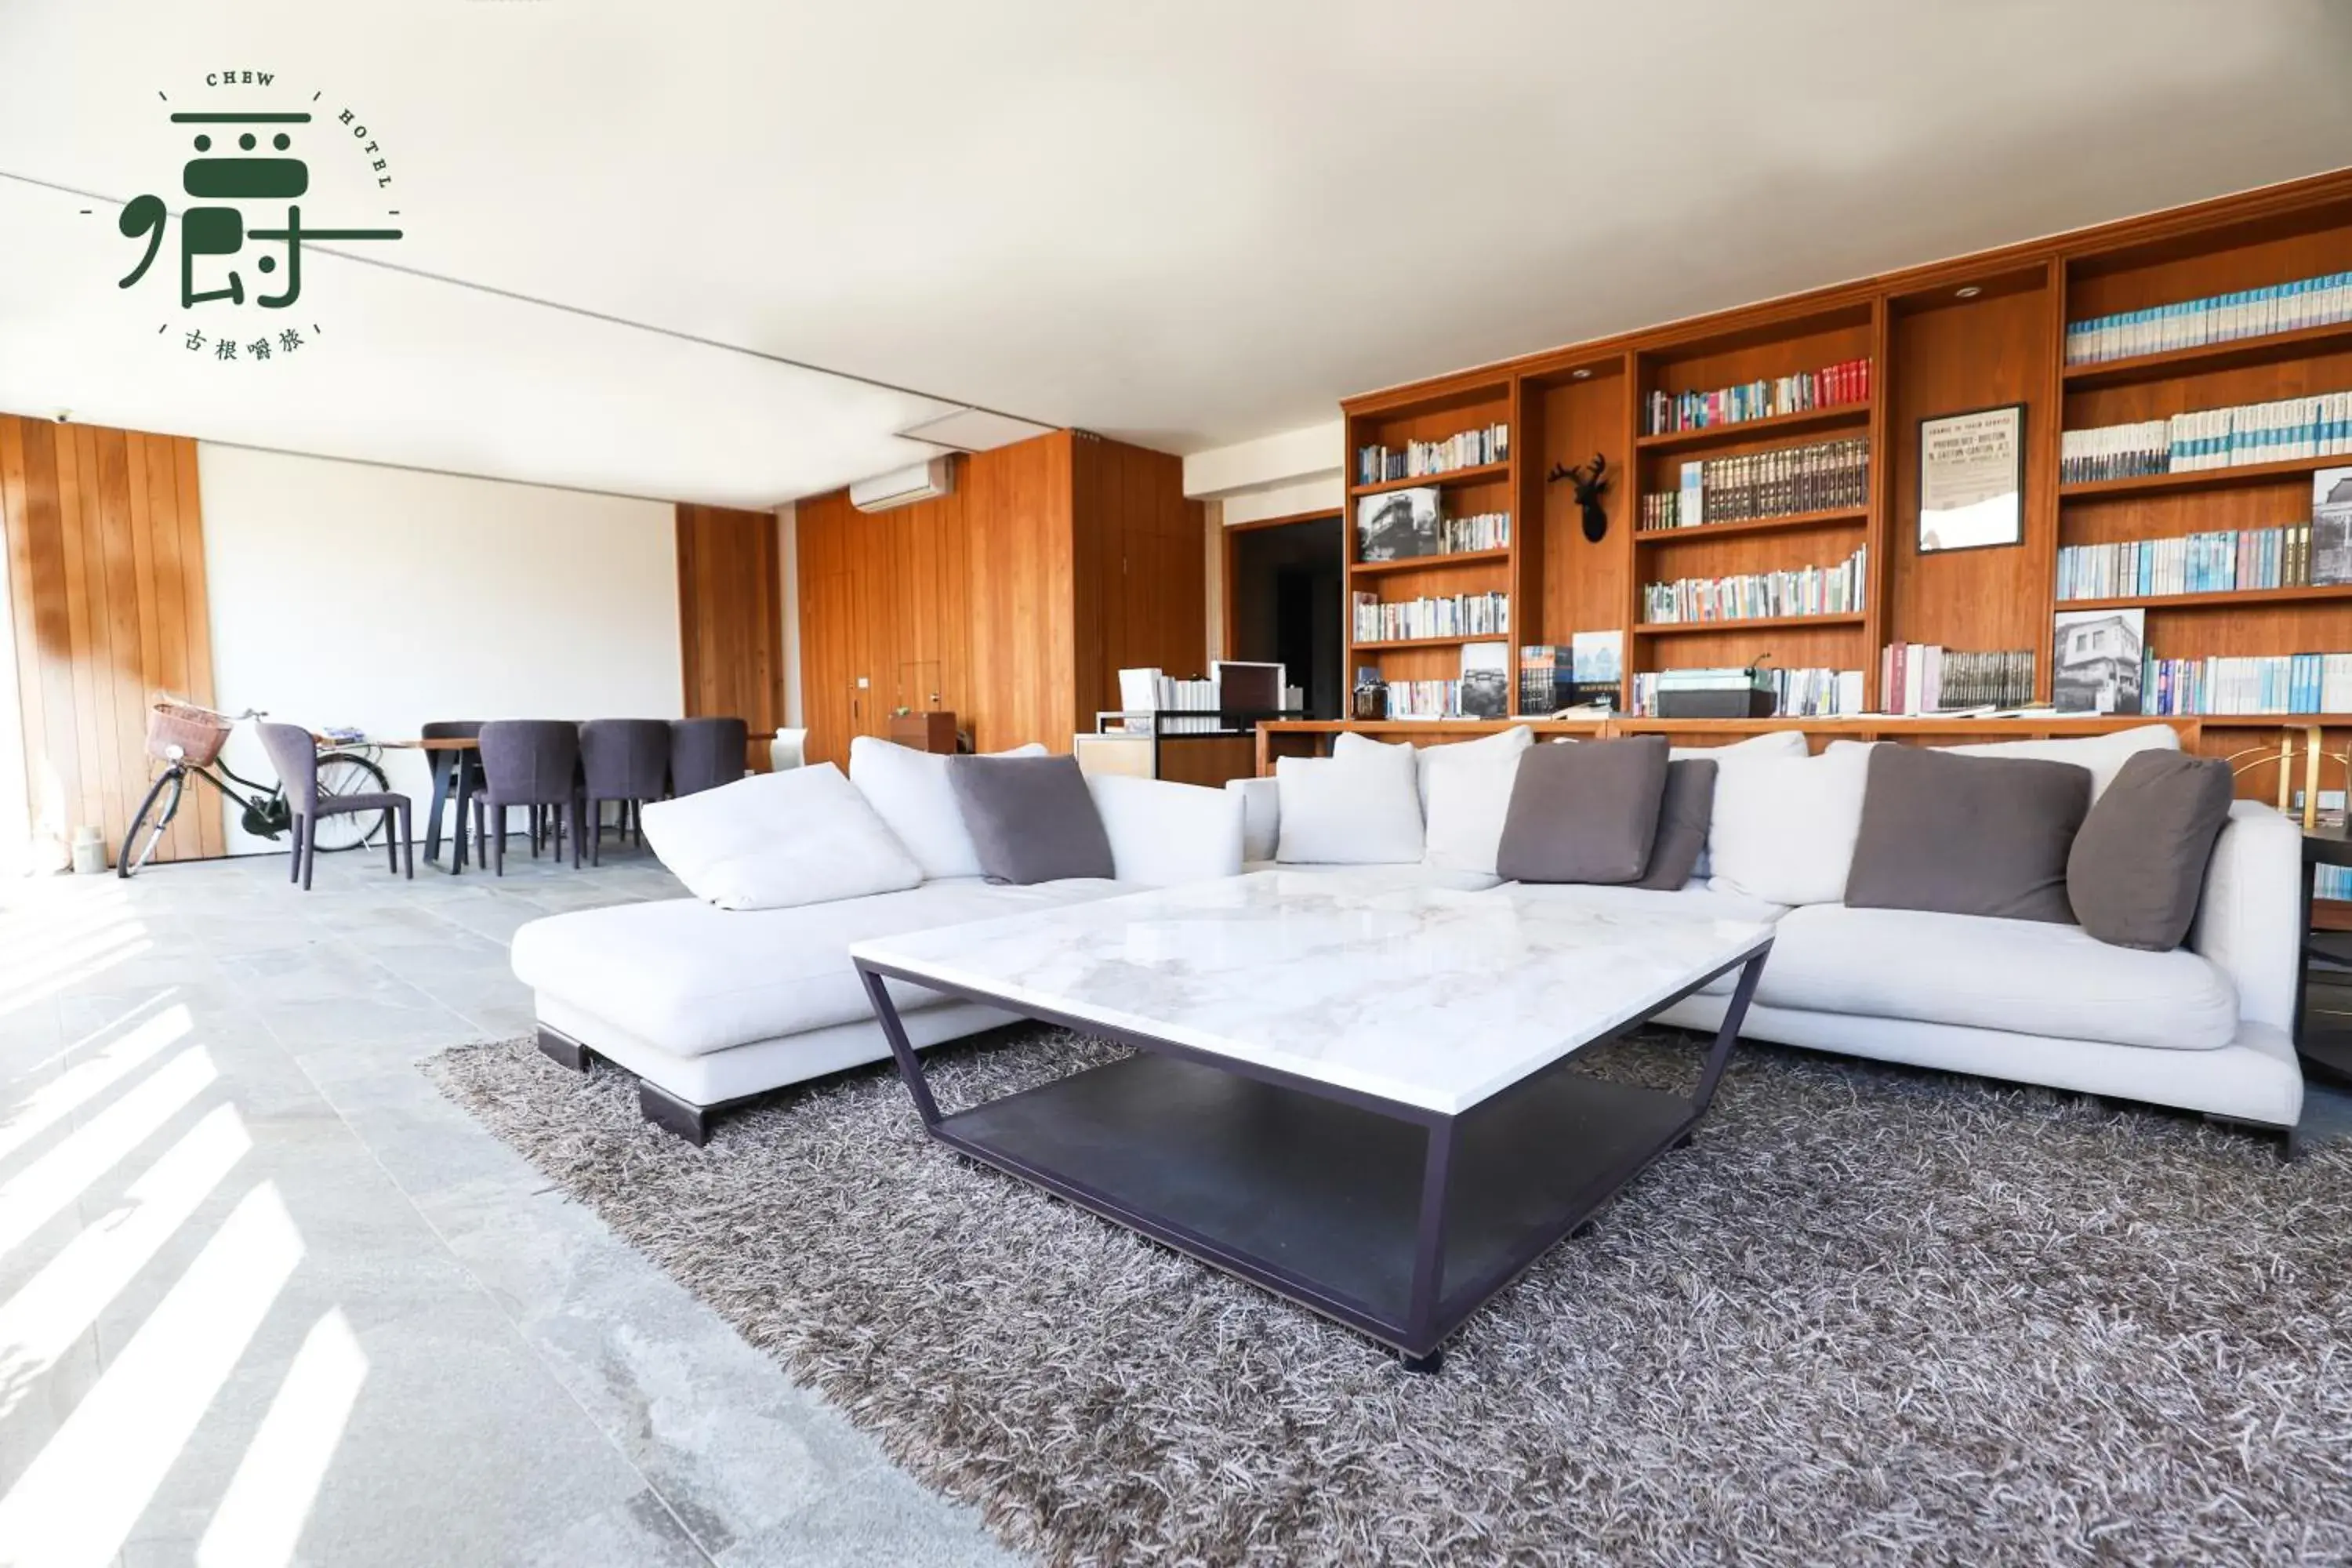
1428,997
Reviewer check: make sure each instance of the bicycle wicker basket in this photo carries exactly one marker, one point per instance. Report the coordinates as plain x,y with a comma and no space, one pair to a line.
198,733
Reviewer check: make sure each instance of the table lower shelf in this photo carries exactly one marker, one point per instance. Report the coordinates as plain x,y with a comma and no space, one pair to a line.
1317,1199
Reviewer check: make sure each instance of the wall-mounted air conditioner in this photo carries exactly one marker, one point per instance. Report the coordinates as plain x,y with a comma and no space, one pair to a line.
904,487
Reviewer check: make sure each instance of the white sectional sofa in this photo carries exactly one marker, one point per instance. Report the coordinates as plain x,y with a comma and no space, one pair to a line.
708,1005
2205,1027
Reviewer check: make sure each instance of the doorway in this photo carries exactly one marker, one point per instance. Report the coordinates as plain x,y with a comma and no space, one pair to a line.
1285,593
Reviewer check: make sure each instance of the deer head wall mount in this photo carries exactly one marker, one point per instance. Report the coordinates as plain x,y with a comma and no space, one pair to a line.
1590,488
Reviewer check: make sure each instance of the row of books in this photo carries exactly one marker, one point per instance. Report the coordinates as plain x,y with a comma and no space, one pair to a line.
2217,319
1822,476
2282,683
1929,677
1470,450
1147,691
1806,591
2222,561
2331,881
1848,381
1797,693
1453,615
1485,531
2319,426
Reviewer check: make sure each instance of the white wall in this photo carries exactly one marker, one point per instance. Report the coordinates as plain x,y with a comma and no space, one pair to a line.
377,597
1274,475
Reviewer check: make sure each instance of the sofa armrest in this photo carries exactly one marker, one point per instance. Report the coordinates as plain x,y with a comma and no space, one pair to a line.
1162,833
1261,816
2252,904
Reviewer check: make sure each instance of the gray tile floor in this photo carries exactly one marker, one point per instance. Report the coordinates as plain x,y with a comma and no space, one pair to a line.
266,1297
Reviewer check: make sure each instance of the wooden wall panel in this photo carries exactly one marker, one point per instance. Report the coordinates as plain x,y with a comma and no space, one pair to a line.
731,626
1026,605
106,591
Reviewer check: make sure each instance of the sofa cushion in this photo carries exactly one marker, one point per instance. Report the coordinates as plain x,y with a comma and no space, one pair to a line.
1968,835
1685,810
1031,818
770,841
1772,743
910,789
1466,795
2138,864
2029,977
1586,812
2104,755
1784,826
1426,759
1356,807
689,979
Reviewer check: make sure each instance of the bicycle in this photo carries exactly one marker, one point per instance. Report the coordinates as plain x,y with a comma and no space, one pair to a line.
188,739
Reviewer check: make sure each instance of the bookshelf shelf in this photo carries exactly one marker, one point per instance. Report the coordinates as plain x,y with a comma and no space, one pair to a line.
1485,473
1431,563
2208,357
1391,644
1838,416
1752,624
2235,598
1842,517
2201,479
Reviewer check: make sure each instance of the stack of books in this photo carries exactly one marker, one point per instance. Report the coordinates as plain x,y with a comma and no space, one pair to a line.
1145,692
1928,678
1455,616
2319,426
1796,693
1807,591
1424,698
2218,562
2218,318
1470,450
1485,531
2284,683
1848,381
1823,476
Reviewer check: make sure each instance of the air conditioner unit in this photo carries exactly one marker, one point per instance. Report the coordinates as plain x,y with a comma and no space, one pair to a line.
904,487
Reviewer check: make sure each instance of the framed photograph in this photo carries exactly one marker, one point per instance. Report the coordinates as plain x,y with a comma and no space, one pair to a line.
2099,658
1397,525
2331,527
1972,479
1485,680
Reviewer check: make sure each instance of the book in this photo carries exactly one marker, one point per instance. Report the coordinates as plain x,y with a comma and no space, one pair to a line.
1485,691
2331,527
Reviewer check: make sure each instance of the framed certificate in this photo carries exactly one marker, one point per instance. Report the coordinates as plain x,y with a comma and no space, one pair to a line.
1972,479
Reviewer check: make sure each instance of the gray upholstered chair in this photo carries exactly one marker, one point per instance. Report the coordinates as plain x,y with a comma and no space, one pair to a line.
623,760
457,781
294,752
705,753
532,763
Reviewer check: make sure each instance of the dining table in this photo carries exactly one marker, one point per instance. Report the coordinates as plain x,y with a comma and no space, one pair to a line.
445,755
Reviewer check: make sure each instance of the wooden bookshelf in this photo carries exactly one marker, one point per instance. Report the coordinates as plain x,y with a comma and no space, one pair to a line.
1447,560
1482,473
1974,332
1390,645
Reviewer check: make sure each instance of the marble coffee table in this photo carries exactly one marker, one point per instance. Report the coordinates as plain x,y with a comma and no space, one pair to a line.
1350,1090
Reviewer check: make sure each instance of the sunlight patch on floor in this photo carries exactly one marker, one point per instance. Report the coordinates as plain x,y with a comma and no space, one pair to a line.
85,1082
35,1194
269,1500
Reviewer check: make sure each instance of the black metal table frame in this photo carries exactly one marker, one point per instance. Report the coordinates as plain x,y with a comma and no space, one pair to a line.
1434,1313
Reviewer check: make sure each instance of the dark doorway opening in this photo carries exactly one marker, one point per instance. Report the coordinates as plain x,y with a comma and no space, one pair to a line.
1285,596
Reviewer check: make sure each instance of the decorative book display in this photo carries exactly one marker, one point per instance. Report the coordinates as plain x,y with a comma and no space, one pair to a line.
2221,561
1757,595
1456,614
1470,450
1787,482
2289,430
1411,524
2217,319
1847,382
1928,678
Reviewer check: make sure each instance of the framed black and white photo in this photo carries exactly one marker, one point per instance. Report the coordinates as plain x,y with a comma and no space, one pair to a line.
1972,479
1485,679
2099,659
1397,525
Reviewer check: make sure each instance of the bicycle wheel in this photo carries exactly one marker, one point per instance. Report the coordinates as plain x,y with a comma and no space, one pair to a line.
149,822
346,772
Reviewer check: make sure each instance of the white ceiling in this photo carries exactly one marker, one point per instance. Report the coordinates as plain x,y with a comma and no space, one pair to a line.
1184,225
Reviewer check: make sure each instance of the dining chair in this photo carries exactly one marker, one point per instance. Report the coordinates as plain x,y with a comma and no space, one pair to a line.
705,753
530,762
623,760
294,752
457,780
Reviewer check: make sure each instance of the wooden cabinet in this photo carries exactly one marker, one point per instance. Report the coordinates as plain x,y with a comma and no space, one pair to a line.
1014,601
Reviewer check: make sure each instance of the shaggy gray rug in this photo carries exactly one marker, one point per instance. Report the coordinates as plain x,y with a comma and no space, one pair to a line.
1868,1316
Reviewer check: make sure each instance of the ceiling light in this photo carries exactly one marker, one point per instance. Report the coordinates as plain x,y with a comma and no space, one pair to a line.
1967,291
1580,376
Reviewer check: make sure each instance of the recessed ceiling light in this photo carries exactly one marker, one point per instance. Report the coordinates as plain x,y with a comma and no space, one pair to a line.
1967,291
1580,376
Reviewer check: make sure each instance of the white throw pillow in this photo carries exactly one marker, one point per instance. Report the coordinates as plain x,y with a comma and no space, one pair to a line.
1354,809
776,841
1785,827
2105,756
909,789
1466,795
1772,743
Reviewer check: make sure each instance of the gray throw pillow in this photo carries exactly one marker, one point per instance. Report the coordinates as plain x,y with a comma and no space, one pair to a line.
1586,812
1032,819
1684,814
1967,835
2138,865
